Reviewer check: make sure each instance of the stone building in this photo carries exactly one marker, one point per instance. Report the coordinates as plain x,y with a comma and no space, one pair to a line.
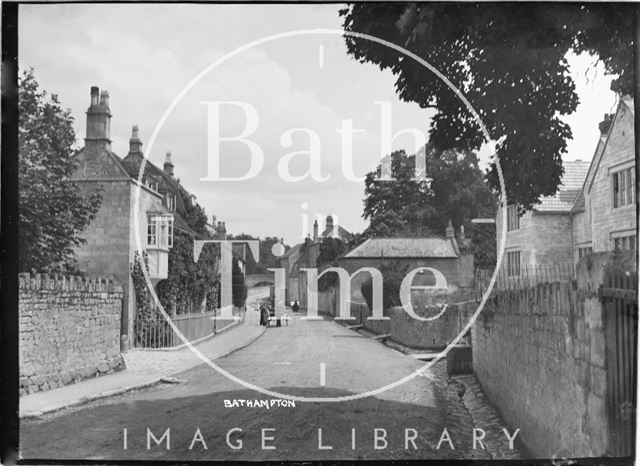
593,210
305,255
139,211
604,213
448,255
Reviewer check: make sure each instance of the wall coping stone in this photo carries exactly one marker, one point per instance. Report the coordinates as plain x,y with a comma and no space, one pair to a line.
60,282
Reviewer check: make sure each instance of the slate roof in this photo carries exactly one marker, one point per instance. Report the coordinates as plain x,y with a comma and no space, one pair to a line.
131,163
404,248
570,187
342,233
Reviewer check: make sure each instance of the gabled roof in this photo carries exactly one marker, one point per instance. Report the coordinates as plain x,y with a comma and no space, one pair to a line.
570,187
341,233
625,101
115,160
435,247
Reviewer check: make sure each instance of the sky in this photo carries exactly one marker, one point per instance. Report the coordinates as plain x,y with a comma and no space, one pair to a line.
300,90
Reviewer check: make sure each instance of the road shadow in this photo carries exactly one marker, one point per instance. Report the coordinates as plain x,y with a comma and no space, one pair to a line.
96,431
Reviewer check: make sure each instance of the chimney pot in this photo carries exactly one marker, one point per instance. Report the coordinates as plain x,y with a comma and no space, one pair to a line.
104,99
168,165
95,92
449,230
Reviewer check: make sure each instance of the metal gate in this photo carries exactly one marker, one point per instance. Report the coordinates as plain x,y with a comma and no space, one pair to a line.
619,297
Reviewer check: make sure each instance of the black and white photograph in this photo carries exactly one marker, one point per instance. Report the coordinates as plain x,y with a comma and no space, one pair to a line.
319,232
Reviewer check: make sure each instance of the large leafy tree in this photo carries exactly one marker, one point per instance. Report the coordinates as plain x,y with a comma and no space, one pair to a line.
53,209
454,190
509,61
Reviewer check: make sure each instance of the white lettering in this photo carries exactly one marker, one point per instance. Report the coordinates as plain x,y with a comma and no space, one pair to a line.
214,139
197,437
314,154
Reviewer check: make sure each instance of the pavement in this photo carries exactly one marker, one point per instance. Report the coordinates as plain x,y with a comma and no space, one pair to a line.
145,368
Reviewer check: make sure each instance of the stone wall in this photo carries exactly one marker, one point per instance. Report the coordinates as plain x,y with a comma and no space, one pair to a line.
69,330
429,334
539,354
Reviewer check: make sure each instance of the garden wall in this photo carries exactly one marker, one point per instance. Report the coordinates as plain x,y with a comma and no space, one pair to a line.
69,330
539,354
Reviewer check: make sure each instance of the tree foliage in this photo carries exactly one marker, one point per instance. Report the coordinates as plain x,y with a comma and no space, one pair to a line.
189,282
267,259
392,275
330,250
509,61
238,287
53,209
454,190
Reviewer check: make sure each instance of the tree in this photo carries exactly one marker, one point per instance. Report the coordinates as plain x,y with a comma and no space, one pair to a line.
454,191
189,282
509,61
267,259
393,274
238,286
53,210
330,250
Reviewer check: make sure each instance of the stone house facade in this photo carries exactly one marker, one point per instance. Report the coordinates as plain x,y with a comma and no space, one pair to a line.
604,214
138,213
448,255
593,210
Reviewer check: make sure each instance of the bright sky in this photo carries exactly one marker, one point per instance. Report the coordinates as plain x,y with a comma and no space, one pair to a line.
145,55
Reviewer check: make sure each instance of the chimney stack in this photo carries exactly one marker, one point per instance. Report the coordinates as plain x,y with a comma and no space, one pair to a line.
168,166
448,232
605,124
98,122
135,145
329,226
315,230
221,231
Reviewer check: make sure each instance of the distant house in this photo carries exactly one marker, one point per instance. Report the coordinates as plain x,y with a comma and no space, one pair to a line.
305,255
441,253
593,210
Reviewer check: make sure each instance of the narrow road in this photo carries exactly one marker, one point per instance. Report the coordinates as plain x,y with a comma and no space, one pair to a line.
307,359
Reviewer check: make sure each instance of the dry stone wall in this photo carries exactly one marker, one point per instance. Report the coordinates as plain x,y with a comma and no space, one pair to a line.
69,330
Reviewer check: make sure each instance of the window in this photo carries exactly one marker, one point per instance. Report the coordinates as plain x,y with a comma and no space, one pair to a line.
152,185
622,186
513,218
584,251
513,263
623,242
160,230
170,201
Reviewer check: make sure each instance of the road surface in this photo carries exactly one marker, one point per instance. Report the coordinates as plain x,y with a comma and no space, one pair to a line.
305,359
